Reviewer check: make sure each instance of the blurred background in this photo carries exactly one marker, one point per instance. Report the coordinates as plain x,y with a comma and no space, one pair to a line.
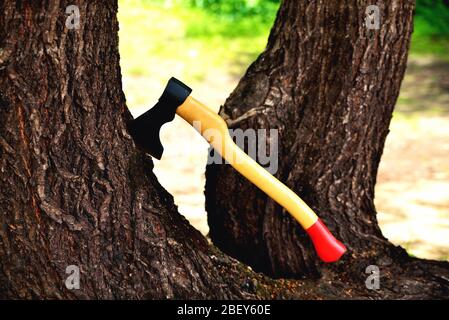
210,43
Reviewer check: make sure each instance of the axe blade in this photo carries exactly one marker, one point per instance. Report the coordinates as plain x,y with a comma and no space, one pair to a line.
145,129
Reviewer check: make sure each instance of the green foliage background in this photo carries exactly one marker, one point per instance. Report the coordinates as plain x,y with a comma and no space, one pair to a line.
236,18
432,17
234,9
431,31
229,34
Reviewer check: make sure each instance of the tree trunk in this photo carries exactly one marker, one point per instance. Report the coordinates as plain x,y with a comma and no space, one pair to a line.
328,84
74,189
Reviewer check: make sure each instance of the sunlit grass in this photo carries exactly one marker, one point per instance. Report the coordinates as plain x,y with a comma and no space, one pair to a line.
159,42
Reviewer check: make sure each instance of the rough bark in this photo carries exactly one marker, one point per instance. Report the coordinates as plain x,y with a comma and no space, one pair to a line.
73,188
329,85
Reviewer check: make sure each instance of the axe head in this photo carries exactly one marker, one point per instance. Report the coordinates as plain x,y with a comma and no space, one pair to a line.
145,128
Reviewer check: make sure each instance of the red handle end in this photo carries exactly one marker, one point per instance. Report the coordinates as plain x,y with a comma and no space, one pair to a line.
327,247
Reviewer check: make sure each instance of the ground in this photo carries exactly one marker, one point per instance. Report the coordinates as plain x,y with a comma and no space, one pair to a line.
412,192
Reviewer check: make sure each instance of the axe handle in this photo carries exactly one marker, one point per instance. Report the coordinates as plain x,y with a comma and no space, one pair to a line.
214,129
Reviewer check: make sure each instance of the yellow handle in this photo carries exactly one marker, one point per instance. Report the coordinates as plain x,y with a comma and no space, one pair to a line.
214,129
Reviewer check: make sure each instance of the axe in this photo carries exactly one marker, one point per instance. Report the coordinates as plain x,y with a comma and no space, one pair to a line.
176,99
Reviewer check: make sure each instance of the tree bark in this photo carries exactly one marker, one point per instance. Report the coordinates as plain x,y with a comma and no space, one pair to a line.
328,84
74,189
